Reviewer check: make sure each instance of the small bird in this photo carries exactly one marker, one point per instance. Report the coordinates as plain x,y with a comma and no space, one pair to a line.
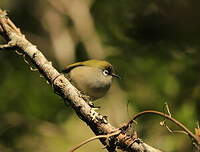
93,77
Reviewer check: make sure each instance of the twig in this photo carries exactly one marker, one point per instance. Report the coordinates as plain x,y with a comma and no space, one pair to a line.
189,133
163,123
94,138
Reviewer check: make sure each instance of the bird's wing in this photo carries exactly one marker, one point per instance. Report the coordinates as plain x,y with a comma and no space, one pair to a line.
71,66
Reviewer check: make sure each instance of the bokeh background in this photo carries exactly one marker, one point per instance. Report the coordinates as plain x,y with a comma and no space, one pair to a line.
153,45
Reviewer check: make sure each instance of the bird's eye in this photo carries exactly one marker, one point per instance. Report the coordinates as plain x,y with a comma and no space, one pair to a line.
105,72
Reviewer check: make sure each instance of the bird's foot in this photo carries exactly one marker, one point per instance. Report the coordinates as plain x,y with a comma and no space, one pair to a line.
85,97
91,104
88,99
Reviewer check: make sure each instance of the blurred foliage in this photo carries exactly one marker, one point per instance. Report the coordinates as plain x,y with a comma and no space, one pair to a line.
154,46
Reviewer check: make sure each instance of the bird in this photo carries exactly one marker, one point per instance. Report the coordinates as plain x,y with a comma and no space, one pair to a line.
92,78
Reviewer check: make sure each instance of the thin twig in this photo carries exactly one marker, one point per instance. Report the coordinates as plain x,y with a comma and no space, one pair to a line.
164,123
94,138
167,117
167,108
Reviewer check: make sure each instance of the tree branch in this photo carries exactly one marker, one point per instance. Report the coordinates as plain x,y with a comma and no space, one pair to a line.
185,129
66,90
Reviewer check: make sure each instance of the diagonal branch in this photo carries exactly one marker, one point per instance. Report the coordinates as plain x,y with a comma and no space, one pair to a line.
66,90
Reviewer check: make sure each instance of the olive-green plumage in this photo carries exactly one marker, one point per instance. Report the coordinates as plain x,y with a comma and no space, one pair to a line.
92,63
92,77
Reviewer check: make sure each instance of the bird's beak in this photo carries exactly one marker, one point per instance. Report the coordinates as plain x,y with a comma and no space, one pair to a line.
115,75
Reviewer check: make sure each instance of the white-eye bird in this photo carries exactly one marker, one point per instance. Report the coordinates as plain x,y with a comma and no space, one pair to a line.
93,77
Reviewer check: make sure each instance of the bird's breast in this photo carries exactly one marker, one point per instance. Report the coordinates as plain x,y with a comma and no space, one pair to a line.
91,81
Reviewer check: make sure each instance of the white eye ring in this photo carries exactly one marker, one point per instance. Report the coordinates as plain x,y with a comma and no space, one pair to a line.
106,72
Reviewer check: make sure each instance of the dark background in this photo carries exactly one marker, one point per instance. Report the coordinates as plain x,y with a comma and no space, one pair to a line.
153,45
